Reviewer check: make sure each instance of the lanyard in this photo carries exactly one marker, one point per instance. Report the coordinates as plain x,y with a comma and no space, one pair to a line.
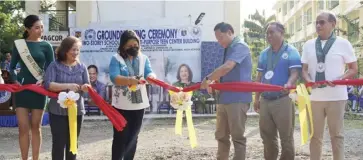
273,61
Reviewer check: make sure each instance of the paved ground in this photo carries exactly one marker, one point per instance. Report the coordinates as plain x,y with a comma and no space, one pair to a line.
158,141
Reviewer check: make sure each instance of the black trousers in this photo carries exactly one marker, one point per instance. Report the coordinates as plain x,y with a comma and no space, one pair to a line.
59,127
124,143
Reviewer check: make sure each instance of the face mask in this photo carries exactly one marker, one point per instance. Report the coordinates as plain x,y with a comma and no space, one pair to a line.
133,51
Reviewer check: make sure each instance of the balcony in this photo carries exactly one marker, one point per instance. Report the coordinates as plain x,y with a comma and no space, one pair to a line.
59,20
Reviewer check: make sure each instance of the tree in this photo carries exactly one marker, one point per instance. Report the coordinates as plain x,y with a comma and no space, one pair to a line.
355,30
11,17
168,66
48,4
255,36
49,7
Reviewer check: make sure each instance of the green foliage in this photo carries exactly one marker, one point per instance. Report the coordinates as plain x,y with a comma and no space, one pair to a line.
49,7
255,36
202,98
360,68
48,4
11,17
356,30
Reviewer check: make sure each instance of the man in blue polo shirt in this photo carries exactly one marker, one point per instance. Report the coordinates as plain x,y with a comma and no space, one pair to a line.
280,65
232,106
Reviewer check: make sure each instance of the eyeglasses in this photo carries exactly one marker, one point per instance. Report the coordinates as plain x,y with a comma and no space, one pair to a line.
320,22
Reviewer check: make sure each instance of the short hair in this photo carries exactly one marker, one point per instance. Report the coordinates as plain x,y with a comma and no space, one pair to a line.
224,27
190,77
65,46
331,16
93,66
278,25
125,37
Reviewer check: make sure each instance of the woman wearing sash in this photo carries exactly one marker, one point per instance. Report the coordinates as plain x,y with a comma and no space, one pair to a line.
127,68
65,74
34,56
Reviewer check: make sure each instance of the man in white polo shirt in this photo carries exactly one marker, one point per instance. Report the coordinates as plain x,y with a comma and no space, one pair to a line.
326,58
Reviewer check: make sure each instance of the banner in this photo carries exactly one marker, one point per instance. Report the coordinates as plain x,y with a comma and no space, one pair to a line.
167,48
55,38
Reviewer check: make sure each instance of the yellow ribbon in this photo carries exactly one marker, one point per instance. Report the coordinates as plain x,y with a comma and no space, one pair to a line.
179,123
72,120
191,130
305,114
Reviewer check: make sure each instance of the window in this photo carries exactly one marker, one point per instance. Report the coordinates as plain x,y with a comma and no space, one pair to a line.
299,23
309,16
284,10
321,5
291,28
291,4
333,3
353,31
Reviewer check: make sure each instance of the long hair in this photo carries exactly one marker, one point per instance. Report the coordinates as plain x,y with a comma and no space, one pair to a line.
28,23
190,77
65,46
125,37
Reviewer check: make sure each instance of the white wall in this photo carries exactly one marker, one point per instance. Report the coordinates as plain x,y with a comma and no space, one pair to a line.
165,13
214,13
32,7
125,10
83,13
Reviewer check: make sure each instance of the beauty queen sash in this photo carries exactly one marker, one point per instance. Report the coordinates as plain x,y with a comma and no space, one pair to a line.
28,60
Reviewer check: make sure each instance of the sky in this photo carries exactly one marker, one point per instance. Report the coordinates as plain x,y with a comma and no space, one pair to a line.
250,6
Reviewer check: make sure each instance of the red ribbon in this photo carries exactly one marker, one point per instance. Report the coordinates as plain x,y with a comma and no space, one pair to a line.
353,82
249,86
115,117
31,87
246,87
118,121
173,88
163,84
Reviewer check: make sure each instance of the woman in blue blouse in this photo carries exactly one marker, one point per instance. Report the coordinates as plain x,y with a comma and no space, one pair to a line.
127,68
65,74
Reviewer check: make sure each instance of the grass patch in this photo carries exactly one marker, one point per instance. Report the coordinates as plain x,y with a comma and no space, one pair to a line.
353,121
353,124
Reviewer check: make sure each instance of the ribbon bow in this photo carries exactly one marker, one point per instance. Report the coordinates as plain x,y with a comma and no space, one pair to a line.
182,102
69,101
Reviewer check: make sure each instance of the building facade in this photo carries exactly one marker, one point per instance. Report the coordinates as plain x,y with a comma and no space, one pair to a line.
298,16
81,14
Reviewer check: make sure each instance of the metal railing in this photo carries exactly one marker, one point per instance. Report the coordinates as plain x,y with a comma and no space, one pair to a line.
58,19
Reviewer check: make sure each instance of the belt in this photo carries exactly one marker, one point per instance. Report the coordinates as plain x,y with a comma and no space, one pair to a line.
271,98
